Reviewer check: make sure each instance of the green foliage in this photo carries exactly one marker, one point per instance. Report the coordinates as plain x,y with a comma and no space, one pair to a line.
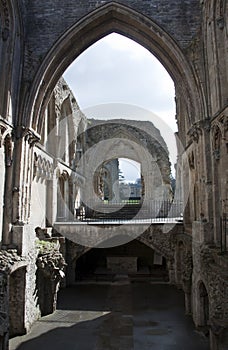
45,247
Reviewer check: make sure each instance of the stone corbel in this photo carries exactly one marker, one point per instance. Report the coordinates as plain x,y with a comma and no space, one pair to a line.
31,137
205,124
197,129
195,132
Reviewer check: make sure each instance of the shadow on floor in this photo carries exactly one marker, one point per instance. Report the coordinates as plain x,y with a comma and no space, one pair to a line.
134,316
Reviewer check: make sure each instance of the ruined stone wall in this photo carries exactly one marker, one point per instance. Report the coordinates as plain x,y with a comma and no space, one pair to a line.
211,268
17,290
136,140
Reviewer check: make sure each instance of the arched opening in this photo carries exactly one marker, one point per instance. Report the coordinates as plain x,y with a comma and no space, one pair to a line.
204,307
119,180
135,260
63,198
107,19
66,133
131,182
17,302
110,18
53,66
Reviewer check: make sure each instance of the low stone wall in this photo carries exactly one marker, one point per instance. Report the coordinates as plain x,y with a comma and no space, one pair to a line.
28,287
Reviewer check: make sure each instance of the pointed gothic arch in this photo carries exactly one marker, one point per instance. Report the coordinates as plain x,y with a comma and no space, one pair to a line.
112,17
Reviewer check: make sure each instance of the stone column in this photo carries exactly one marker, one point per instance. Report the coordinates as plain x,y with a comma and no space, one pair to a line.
171,269
188,303
2,179
23,176
6,147
23,159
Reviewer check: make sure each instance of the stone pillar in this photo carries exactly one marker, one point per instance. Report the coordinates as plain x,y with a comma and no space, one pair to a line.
7,214
2,178
6,152
54,197
23,158
71,268
22,234
202,232
188,303
171,270
213,341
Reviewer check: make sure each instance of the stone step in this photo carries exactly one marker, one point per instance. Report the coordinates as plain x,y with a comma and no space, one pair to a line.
116,211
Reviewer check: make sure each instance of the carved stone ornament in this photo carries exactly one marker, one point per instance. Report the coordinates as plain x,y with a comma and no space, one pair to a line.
28,134
191,160
32,138
195,132
216,141
5,130
43,168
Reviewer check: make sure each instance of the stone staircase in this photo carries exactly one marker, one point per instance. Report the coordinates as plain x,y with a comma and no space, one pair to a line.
117,212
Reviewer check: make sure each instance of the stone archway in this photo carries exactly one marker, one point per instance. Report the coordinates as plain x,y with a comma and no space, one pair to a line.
112,17
203,306
135,259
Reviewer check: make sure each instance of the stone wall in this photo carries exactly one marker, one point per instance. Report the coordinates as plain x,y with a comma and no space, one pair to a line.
182,22
160,238
22,295
12,294
137,140
17,290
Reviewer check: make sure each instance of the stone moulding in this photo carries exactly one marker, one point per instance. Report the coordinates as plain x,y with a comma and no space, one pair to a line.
5,130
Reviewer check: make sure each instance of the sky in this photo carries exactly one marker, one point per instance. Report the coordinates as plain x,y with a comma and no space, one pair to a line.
118,78
130,169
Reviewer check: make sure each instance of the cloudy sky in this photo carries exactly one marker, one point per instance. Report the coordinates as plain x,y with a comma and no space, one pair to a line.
117,78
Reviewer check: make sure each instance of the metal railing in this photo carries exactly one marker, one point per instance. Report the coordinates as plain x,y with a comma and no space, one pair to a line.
123,212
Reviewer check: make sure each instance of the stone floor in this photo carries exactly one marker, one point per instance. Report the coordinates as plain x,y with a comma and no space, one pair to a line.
118,316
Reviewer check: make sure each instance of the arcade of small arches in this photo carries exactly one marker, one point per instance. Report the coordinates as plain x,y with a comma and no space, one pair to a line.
45,143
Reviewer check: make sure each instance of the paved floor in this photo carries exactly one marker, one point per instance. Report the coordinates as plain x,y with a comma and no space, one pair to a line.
120,316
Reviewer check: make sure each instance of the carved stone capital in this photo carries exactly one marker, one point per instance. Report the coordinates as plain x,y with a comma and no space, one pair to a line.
195,132
205,124
29,135
32,137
